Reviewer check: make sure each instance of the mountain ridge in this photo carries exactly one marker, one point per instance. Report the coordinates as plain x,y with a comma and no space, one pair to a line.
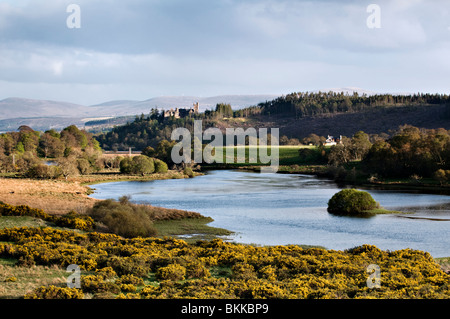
16,107
46,114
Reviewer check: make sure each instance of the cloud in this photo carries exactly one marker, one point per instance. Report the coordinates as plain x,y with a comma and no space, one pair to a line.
206,47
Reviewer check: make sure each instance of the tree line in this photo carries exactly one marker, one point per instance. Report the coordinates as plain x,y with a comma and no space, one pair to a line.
304,104
68,152
142,132
408,152
411,151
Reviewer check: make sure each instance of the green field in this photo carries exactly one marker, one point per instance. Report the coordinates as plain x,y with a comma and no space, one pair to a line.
287,154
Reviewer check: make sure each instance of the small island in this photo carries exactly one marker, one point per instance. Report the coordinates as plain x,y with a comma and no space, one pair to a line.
353,202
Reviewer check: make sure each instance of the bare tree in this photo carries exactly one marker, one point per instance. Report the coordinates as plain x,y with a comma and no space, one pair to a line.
68,166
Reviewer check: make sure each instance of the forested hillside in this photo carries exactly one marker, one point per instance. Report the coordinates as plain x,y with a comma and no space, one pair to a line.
297,115
149,130
301,105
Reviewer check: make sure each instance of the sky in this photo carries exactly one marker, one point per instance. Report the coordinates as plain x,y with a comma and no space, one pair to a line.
139,49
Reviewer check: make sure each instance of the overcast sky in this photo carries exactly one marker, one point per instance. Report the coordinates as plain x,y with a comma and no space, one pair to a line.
138,49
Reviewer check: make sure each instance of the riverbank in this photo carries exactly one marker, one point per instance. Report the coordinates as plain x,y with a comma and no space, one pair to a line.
426,186
16,279
59,197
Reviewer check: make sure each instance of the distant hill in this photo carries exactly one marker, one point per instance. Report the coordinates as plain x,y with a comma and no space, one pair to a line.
27,108
299,114
44,114
122,108
375,121
296,114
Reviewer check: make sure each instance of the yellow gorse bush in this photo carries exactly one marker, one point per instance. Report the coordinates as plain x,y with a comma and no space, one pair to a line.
70,220
53,292
172,268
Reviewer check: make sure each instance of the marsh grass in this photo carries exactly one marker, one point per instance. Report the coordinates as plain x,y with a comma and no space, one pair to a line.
444,263
54,197
21,221
190,230
16,281
382,211
59,196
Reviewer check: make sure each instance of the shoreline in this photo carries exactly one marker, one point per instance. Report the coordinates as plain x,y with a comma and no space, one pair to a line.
185,230
319,171
59,197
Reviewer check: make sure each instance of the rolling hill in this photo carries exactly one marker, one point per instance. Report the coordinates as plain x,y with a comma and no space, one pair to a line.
44,114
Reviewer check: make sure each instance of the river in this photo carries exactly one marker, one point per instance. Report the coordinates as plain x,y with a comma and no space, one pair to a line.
279,209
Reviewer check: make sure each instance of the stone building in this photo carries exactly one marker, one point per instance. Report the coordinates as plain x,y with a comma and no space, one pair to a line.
179,112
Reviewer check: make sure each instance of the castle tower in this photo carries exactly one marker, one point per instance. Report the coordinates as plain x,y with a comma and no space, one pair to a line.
196,107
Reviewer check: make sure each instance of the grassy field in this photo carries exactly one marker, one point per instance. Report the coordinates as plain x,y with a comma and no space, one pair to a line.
17,281
288,154
21,221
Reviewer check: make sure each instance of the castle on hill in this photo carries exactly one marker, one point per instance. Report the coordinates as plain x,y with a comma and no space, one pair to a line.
179,112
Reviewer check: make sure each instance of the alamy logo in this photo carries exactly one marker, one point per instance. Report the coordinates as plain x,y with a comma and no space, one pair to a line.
374,19
74,19
374,280
74,280
259,150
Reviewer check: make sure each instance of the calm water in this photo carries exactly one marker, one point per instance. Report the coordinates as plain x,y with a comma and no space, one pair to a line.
272,209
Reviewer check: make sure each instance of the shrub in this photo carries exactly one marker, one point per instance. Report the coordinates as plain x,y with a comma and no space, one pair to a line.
128,265
126,165
53,292
76,221
70,220
351,202
128,288
42,171
197,270
106,272
130,279
84,166
258,272
243,271
188,171
443,176
141,165
160,166
96,284
149,151
171,272
123,218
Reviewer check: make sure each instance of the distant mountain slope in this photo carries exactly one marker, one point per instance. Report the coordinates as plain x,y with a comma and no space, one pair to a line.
26,108
44,114
315,115
30,108
121,108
